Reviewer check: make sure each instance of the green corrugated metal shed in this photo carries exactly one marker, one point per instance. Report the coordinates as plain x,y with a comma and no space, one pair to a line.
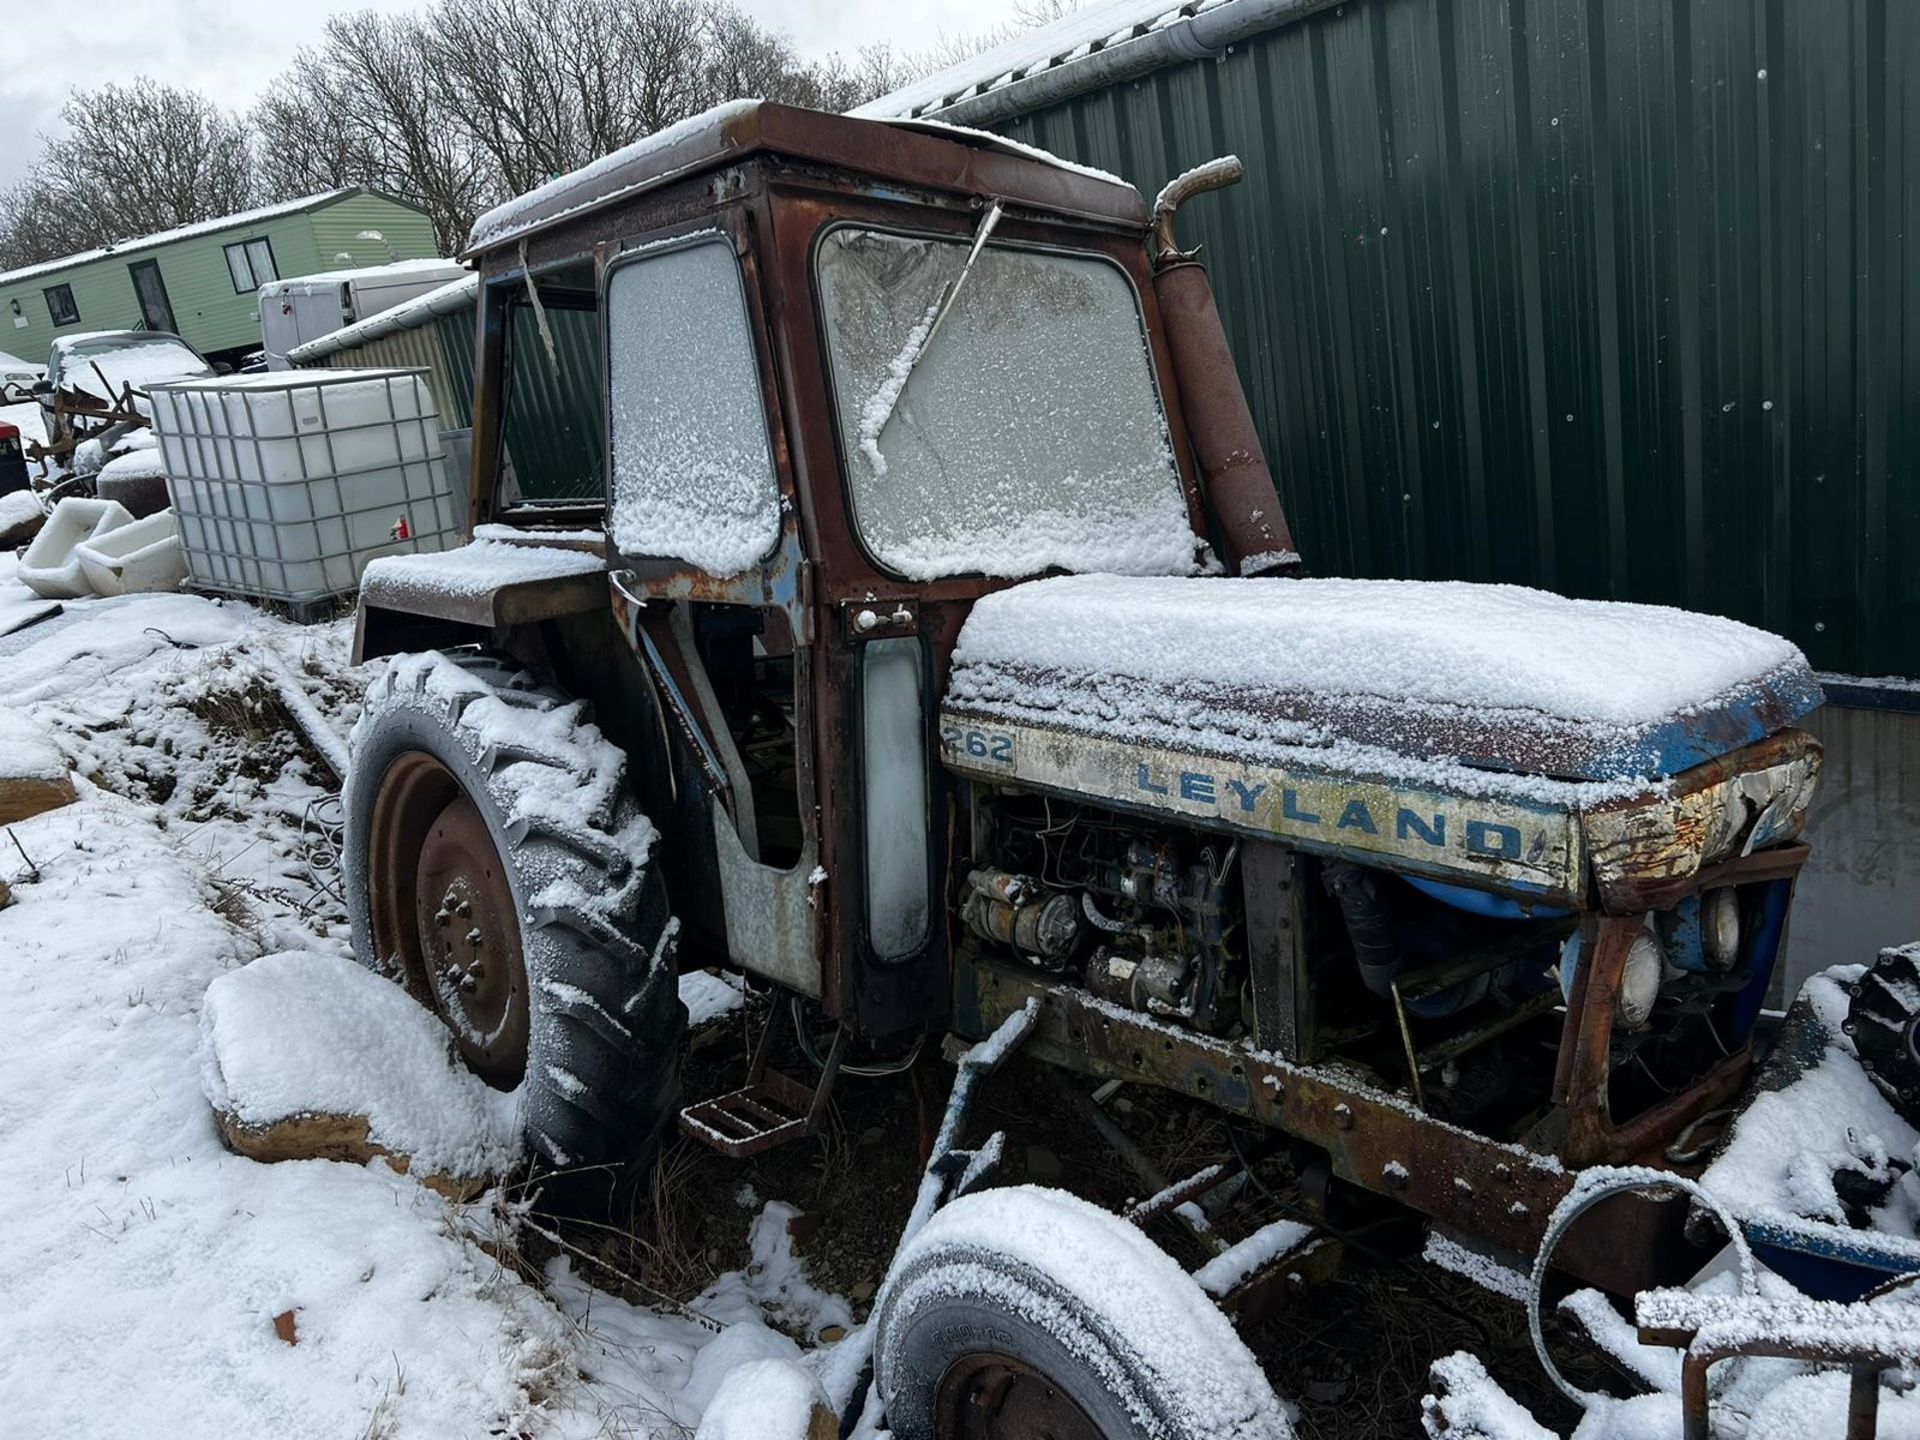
210,307
1608,296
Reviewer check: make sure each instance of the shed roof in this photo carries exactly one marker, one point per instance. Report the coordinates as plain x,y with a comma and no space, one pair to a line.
192,232
1100,45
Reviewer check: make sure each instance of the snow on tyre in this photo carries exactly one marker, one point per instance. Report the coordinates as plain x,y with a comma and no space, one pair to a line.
496,866
1028,1311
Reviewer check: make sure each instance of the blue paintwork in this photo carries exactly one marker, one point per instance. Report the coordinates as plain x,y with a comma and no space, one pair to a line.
1835,1264
1681,743
1483,902
1763,951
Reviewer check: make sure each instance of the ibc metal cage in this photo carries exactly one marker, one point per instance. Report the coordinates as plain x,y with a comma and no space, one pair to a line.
286,484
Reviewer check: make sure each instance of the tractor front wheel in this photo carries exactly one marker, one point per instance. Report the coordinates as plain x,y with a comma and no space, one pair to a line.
1028,1312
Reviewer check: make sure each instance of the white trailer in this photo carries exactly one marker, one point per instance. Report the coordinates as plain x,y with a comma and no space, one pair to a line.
307,307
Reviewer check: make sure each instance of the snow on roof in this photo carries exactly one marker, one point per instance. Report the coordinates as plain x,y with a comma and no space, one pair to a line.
179,232
1101,45
1069,39
397,270
594,182
967,135
407,315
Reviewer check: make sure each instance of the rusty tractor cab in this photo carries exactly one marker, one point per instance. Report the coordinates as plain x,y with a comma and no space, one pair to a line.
860,384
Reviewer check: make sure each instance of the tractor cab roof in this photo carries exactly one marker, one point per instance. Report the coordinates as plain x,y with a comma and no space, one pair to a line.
920,154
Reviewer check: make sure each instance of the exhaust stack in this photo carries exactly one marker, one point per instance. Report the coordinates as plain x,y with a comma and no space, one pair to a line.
1239,486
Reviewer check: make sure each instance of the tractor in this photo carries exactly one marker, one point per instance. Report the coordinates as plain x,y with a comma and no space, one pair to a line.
915,629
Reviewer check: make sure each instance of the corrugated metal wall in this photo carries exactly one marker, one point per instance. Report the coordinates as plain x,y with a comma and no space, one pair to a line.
553,412
553,404
1609,296
415,349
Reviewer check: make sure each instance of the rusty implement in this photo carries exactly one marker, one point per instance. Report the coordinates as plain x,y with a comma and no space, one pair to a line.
1864,1338
1381,1142
79,415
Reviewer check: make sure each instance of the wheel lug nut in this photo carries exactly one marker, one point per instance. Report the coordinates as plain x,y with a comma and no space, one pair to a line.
475,938
443,917
463,909
467,984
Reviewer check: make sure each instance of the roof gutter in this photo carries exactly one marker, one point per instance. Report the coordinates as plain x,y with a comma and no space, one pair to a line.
1199,36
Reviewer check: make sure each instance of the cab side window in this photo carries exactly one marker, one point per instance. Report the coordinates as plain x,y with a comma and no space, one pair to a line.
692,469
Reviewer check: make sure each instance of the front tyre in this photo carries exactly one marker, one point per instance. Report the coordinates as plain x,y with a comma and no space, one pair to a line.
496,866
1024,1312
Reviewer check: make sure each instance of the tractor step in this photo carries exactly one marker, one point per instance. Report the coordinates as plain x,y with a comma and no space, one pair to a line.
753,1118
769,1110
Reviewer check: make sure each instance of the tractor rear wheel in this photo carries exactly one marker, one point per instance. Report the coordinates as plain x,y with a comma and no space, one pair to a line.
1028,1312
497,867
1883,1017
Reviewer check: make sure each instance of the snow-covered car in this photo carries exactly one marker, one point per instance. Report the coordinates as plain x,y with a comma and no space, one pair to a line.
90,371
15,371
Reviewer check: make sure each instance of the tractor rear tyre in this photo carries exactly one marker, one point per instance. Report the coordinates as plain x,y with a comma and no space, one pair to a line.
1028,1312
496,866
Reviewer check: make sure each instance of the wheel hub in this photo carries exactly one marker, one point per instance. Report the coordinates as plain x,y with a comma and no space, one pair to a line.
470,939
995,1397
443,915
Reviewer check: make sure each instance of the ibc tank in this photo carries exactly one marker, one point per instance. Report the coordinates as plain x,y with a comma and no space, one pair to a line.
286,484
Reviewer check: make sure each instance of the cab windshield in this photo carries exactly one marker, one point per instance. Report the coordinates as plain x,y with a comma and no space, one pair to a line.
1004,424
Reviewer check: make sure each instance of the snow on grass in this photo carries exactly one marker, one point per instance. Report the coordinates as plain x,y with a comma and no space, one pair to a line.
144,1266
27,751
19,606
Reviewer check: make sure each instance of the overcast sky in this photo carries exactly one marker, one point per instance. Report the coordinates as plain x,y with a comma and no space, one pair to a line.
232,48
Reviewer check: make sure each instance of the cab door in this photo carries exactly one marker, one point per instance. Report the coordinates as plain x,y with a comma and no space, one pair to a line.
708,562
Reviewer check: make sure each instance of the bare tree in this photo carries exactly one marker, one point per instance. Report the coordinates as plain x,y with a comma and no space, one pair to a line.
310,138
950,49
475,100
454,107
133,159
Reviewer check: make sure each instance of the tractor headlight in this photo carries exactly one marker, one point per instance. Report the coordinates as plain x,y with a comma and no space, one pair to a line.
1720,928
1640,977
1640,980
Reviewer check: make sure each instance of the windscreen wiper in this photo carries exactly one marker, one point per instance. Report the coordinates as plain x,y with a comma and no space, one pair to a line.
875,428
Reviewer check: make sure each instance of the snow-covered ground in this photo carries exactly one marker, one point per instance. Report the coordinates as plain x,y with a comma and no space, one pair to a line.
143,1265
155,1283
